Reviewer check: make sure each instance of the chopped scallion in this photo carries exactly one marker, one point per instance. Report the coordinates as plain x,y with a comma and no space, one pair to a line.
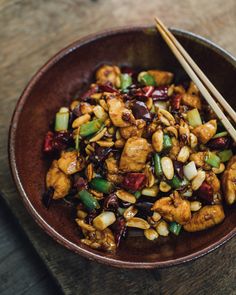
225,155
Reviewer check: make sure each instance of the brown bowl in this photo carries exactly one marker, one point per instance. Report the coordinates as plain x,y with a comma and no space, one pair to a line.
56,83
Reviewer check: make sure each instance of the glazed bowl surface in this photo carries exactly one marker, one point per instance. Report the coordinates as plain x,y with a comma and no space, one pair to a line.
61,79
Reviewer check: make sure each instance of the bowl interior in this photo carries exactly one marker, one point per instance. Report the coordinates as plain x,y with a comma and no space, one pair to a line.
66,75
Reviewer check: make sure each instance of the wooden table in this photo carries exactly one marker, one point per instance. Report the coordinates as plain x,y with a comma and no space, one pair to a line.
30,33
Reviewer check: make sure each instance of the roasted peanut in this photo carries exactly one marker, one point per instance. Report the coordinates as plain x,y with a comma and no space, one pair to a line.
157,140
99,135
89,172
220,169
125,196
162,228
184,154
130,212
81,120
104,143
198,180
151,234
100,113
138,223
84,225
164,187
195,206
167,167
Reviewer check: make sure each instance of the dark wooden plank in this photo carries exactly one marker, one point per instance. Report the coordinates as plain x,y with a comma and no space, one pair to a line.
32,31
43,287
21,270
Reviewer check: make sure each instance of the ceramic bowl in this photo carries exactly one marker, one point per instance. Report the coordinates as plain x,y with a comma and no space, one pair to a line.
56,83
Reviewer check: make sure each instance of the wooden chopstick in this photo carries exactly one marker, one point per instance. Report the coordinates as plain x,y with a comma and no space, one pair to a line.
220,114
199,72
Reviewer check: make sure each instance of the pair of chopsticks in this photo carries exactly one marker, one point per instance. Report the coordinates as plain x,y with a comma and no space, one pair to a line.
200,79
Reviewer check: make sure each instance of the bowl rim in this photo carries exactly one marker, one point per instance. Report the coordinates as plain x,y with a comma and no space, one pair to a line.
14,171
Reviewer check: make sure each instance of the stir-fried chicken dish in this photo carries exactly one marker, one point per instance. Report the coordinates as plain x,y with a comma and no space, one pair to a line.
139,150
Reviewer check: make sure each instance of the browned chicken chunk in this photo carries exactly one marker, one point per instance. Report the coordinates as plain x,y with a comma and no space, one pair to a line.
134,155
213,181
112,165
71,162
113,171
134,130
192,97
108,73
205,131
229,181
119,114
199,160
173,208
206,217
58,180
161,77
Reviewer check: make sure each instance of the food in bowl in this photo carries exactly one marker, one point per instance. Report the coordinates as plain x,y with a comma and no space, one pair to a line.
139,150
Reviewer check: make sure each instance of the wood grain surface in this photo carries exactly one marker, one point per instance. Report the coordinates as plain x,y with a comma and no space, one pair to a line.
21,269
30,33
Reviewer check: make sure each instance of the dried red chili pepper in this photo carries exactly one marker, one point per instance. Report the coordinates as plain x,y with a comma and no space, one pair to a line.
148,90
56,141
179,168
111,202
175,101
134,181
79,182
89,92
48,142
219,143
205,193
47,197
108,87
140,111
119,229
160,93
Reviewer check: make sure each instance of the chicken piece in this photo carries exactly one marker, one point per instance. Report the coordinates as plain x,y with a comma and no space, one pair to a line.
71,162
113,171
192,97
110,74
112,165
134,155
115,178
173,208
206,217
205,131
199,159
134,130
229,181
174,151
213,181
179,89
58,180
161,77
119,114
